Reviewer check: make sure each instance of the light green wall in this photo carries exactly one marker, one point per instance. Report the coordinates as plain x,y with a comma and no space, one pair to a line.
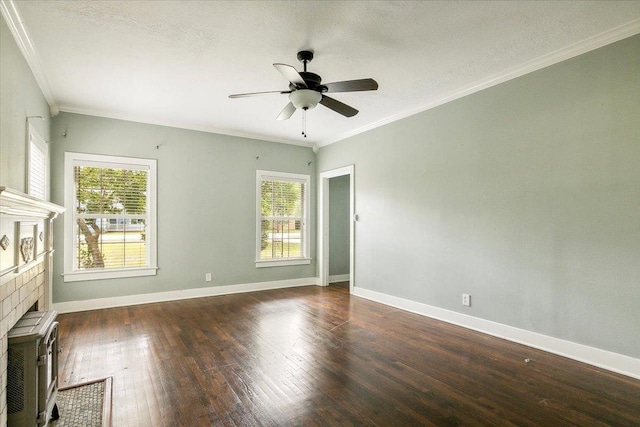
206,202
339,225
525,195
20,97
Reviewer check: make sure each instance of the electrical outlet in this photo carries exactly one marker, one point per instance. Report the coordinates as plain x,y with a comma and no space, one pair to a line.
207,277
466,300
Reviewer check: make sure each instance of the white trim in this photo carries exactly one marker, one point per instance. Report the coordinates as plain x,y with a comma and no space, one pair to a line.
323,223
70,158
128,300
610,36
97,274
611,361
282,262
338,278
21,36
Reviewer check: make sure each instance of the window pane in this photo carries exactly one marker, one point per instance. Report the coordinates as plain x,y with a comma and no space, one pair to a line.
110,243
116,240
282,199
110,191
281,239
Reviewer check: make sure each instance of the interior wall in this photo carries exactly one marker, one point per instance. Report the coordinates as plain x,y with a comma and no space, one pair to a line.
21,97
339,225
525,195
206,203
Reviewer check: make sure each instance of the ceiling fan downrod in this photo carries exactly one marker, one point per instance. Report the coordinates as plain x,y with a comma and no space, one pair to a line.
305,56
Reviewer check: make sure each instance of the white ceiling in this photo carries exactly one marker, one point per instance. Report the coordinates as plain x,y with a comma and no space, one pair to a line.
175,62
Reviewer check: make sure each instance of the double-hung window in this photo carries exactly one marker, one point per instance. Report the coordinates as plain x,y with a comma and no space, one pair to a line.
110,222
282,220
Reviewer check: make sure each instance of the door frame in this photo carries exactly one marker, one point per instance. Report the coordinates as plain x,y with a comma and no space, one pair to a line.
323,224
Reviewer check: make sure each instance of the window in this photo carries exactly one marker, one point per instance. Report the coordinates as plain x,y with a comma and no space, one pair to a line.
37,164
110,223
282,219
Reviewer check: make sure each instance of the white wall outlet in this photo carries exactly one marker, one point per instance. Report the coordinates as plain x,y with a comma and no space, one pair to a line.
466,300
207,277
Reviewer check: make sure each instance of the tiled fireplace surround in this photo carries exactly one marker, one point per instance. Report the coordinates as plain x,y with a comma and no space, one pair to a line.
26,242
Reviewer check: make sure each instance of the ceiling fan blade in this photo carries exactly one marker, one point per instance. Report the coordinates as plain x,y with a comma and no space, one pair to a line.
244,95
286,112
291,74
338,106
352,85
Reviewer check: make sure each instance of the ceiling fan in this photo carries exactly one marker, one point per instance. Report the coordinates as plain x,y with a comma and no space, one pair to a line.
306,90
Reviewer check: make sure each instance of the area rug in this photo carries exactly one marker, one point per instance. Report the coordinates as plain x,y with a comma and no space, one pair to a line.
87,405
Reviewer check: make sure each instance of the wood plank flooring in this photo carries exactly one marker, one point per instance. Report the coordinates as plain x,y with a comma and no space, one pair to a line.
314,356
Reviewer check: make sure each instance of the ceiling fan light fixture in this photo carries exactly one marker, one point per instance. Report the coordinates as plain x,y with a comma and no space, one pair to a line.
305,99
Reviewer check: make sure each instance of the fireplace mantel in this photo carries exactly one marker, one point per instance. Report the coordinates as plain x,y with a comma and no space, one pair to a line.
15,203
26,250
26,234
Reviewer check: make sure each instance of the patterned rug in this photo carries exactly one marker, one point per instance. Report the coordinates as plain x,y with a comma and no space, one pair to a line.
86,405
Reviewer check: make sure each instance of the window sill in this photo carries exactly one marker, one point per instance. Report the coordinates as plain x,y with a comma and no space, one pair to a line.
282,262
78,276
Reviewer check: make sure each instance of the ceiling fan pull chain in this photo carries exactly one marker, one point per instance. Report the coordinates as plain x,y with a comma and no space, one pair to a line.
304,122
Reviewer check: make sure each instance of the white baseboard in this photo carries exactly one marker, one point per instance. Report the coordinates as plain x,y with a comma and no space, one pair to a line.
593,356
121,301
339,278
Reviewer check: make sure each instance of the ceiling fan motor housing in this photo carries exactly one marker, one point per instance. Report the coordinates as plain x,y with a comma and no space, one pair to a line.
312,80
305,99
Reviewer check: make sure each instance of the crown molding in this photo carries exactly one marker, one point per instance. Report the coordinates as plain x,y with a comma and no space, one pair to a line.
21,36
600,40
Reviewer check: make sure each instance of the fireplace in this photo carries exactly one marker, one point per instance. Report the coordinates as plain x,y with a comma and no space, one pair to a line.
26,250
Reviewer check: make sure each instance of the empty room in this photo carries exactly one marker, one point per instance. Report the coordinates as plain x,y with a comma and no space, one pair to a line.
318,213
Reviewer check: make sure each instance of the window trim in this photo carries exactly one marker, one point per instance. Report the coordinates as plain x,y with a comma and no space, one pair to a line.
41,144
283,176
70,160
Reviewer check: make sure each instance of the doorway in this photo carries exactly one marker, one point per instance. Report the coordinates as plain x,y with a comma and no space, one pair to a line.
325,241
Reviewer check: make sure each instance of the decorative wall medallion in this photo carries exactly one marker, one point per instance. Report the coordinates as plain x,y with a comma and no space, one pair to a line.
4,242
26,248
41,236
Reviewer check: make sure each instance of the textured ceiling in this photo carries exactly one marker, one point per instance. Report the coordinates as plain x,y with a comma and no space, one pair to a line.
175,62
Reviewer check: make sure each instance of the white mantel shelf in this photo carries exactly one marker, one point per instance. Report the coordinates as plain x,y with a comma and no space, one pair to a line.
26,236
16,203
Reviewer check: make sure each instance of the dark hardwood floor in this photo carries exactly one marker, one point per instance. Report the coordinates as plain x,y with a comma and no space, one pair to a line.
314,356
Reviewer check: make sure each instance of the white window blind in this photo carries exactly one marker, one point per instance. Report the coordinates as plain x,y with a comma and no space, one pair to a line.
282,217
37,161
111,222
